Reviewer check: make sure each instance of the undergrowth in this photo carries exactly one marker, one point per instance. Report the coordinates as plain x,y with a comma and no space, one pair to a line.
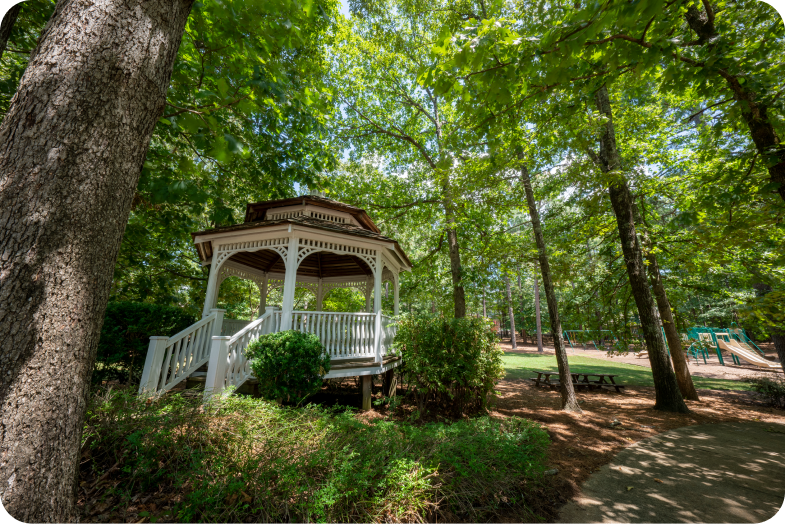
243,459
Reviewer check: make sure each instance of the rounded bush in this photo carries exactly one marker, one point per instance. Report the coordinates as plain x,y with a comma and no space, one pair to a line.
289,365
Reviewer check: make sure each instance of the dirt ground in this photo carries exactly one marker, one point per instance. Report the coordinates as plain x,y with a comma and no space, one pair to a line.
581,443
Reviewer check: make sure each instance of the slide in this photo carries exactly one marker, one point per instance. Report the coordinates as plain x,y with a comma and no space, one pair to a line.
746,354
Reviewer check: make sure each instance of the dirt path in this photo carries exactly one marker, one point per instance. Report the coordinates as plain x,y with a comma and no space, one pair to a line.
728,472
583,443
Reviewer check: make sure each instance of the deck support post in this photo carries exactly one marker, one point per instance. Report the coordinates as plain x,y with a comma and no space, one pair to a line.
366,381
389,383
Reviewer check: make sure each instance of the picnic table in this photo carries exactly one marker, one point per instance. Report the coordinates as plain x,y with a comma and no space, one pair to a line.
579,380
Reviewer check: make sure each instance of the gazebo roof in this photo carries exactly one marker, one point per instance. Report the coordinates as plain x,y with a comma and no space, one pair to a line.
319,264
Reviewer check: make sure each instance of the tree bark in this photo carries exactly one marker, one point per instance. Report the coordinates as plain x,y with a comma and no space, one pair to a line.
7,25
510,312
568,400
537,317
667,394
458,293
680,367
72,146
753,110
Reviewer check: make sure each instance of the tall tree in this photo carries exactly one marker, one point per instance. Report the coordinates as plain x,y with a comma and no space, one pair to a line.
667,394
510,312
71,149
7,25
568,400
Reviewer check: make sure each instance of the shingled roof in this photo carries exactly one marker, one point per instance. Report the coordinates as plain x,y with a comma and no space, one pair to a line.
258,211
205,249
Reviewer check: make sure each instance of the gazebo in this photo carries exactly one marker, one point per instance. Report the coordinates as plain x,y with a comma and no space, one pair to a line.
308,241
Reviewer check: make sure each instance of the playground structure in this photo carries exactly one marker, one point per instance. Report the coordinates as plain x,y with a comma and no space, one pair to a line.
699,341
735,341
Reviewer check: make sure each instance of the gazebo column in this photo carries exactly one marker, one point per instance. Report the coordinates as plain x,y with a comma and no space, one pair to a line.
212,293
262,294
319,295
289,283
395,294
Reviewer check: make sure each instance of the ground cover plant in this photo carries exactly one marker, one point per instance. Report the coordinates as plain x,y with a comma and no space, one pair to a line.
242,459
520,366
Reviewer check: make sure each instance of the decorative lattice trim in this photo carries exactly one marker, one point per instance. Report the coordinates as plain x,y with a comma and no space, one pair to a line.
279,245
308,246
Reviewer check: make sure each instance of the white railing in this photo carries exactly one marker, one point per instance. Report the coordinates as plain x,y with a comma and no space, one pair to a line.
171,359
229,365
232,326
344,335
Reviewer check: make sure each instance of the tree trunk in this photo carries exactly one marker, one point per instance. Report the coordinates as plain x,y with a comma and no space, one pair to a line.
568,400
753,110
667,394
458,293
484,311
7,25
71,150
537,318
680,366
509,310
777,334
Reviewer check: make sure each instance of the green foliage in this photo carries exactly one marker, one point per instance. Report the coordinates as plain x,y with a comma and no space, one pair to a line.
240,459
289,365
451,363
771,389
126,334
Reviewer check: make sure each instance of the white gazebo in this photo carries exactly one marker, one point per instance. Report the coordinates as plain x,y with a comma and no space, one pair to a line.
308,241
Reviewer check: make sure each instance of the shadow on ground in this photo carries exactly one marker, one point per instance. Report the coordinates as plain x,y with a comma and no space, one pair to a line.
731,472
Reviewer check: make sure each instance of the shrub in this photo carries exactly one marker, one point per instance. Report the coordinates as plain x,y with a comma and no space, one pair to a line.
125,336
289,365
452,364
241,459
771,389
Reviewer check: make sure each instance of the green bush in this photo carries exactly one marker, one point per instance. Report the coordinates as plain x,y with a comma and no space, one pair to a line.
771,389
241,459
289,365
125,336
450,364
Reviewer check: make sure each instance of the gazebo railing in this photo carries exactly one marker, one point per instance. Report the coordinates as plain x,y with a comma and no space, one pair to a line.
344,335
171,359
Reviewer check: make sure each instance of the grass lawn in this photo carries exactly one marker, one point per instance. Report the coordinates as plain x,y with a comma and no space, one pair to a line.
520,366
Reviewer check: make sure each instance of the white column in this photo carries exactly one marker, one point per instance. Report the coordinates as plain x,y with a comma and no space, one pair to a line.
211,295
263,294
377,284
319,296
377,308
216,367
151,374
396,287
289,283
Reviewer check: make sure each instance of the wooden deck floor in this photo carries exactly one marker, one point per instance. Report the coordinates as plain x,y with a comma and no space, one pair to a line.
351,363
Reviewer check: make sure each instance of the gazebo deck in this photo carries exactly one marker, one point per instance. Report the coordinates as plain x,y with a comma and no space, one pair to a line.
353,367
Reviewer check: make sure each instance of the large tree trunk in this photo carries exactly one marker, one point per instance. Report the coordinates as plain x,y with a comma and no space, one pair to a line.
667,394
7,25
71,150
458,293
510,312
753,110
680,366
568,400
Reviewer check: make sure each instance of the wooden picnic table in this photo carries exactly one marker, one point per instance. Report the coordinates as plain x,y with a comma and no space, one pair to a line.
579,380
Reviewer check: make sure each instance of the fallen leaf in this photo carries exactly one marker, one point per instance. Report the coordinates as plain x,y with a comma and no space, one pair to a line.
658,480
629,488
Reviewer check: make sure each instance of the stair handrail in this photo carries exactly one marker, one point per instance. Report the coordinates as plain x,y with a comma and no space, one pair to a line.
228,365
170,360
